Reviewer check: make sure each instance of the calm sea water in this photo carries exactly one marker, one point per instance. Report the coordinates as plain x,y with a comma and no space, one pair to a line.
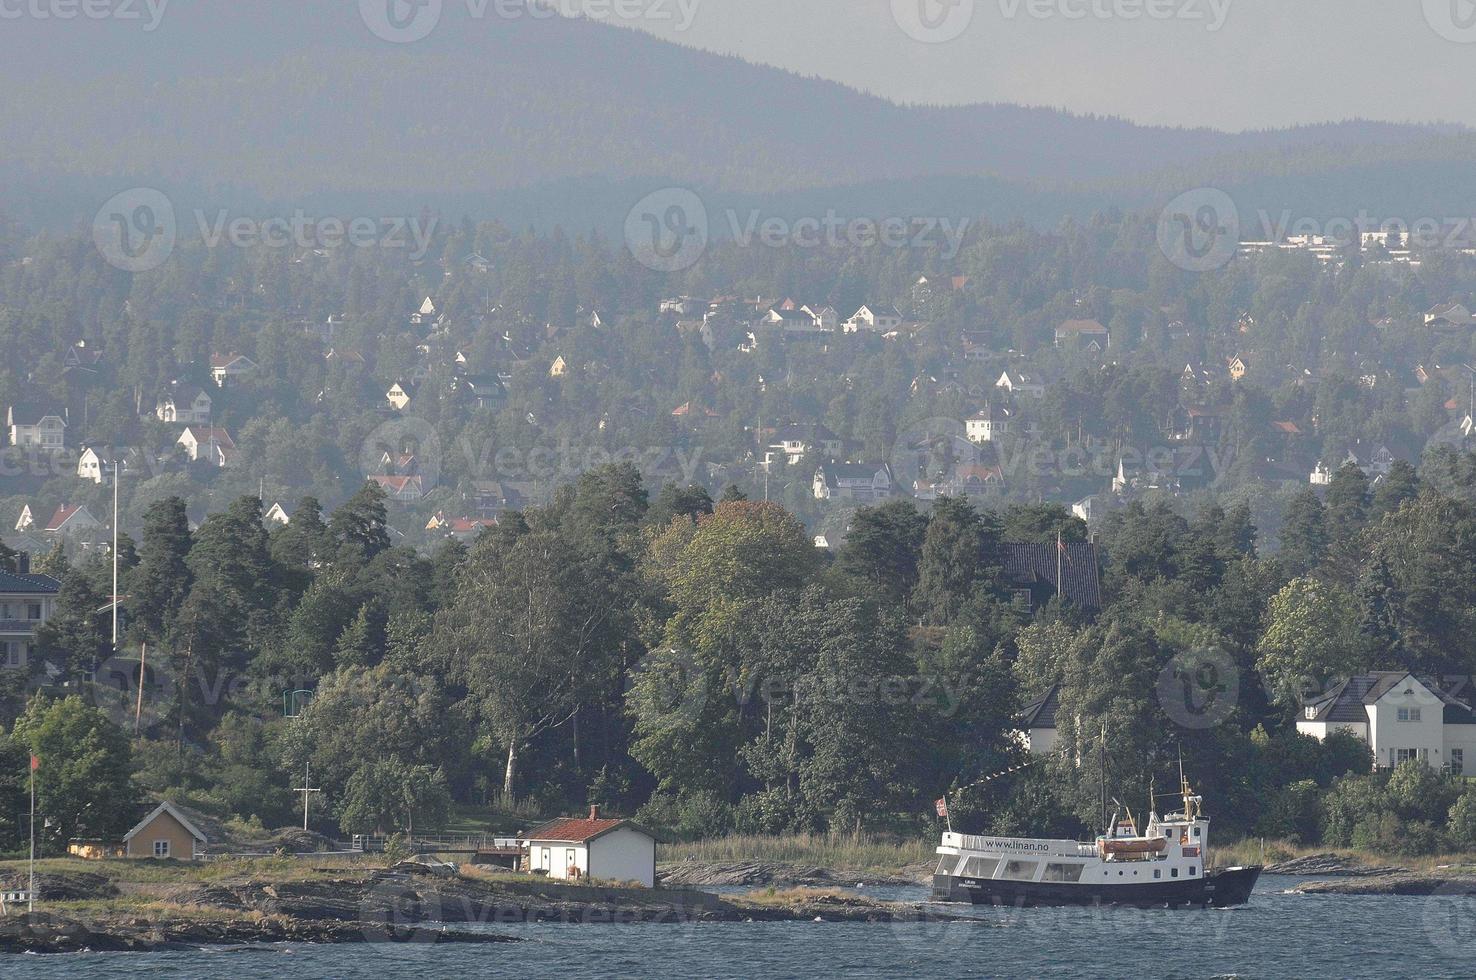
1280,935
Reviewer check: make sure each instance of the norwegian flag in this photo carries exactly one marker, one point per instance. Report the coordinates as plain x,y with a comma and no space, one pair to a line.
941,806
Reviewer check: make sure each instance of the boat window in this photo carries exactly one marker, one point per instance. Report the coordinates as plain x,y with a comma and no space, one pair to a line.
1197,830
1157,873
1062,872
1173,872
977,867
946,864
1021,870
1193,869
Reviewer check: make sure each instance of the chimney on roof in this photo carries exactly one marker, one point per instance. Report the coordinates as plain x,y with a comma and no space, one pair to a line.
594,812
23,563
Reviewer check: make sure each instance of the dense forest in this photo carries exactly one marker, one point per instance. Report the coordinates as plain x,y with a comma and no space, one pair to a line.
702,664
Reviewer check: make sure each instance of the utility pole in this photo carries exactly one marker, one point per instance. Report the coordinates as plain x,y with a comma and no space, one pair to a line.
307,790
116,471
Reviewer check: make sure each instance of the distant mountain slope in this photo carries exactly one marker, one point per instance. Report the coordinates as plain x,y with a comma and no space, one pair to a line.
280,100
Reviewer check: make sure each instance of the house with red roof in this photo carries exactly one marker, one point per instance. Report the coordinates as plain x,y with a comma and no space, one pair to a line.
593,847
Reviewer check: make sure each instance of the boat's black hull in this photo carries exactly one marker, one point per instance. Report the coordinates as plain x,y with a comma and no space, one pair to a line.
1221,888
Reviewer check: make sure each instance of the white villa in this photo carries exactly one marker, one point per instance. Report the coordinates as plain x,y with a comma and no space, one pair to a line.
1399,716
26,601
866,482
37,426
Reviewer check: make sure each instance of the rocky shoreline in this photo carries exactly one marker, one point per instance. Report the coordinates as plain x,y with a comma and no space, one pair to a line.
1407,883
91,911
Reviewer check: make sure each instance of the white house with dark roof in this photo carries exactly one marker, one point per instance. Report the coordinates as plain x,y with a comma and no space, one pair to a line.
795,442
213,445
875,318
988,424
225,368
861,482
1035,729
183,403
1020,384
95,465
1400,717
26,601
37,426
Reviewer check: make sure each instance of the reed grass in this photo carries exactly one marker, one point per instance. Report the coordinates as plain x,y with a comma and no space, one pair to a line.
847,852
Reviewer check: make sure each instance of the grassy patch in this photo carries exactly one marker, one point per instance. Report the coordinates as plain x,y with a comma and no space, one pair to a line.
847,852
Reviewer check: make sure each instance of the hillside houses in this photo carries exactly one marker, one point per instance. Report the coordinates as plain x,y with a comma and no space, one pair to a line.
989,423
95,465
793,443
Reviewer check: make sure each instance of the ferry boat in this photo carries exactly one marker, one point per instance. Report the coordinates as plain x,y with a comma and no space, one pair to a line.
1164,866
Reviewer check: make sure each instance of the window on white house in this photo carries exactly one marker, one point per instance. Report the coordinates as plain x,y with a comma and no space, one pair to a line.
1458,761
1406,755
33,611
1409,714
161,848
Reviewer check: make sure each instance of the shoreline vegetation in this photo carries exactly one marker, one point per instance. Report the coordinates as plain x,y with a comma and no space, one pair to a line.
123,905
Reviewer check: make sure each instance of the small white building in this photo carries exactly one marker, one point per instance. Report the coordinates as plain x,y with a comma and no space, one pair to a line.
874,318
95,465
1021,385
211,444
225,368
1400,717
1036,726
579,848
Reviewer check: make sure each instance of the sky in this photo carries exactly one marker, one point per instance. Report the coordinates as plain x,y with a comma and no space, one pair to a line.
1229,64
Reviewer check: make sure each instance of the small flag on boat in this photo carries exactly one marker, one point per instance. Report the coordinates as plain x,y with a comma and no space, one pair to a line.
941,806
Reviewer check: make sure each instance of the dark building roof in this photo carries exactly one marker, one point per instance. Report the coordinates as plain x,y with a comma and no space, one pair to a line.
1042,712
1346,700
13,584
1031,564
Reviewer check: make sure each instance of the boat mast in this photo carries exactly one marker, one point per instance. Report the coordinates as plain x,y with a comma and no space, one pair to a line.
1102,777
